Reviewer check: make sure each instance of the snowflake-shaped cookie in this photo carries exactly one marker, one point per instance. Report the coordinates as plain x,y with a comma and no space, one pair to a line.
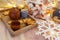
49,30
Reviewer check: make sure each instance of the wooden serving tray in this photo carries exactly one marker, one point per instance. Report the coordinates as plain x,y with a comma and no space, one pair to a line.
5,20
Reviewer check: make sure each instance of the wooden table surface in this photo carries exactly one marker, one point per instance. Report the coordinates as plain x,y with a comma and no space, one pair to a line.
29,35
